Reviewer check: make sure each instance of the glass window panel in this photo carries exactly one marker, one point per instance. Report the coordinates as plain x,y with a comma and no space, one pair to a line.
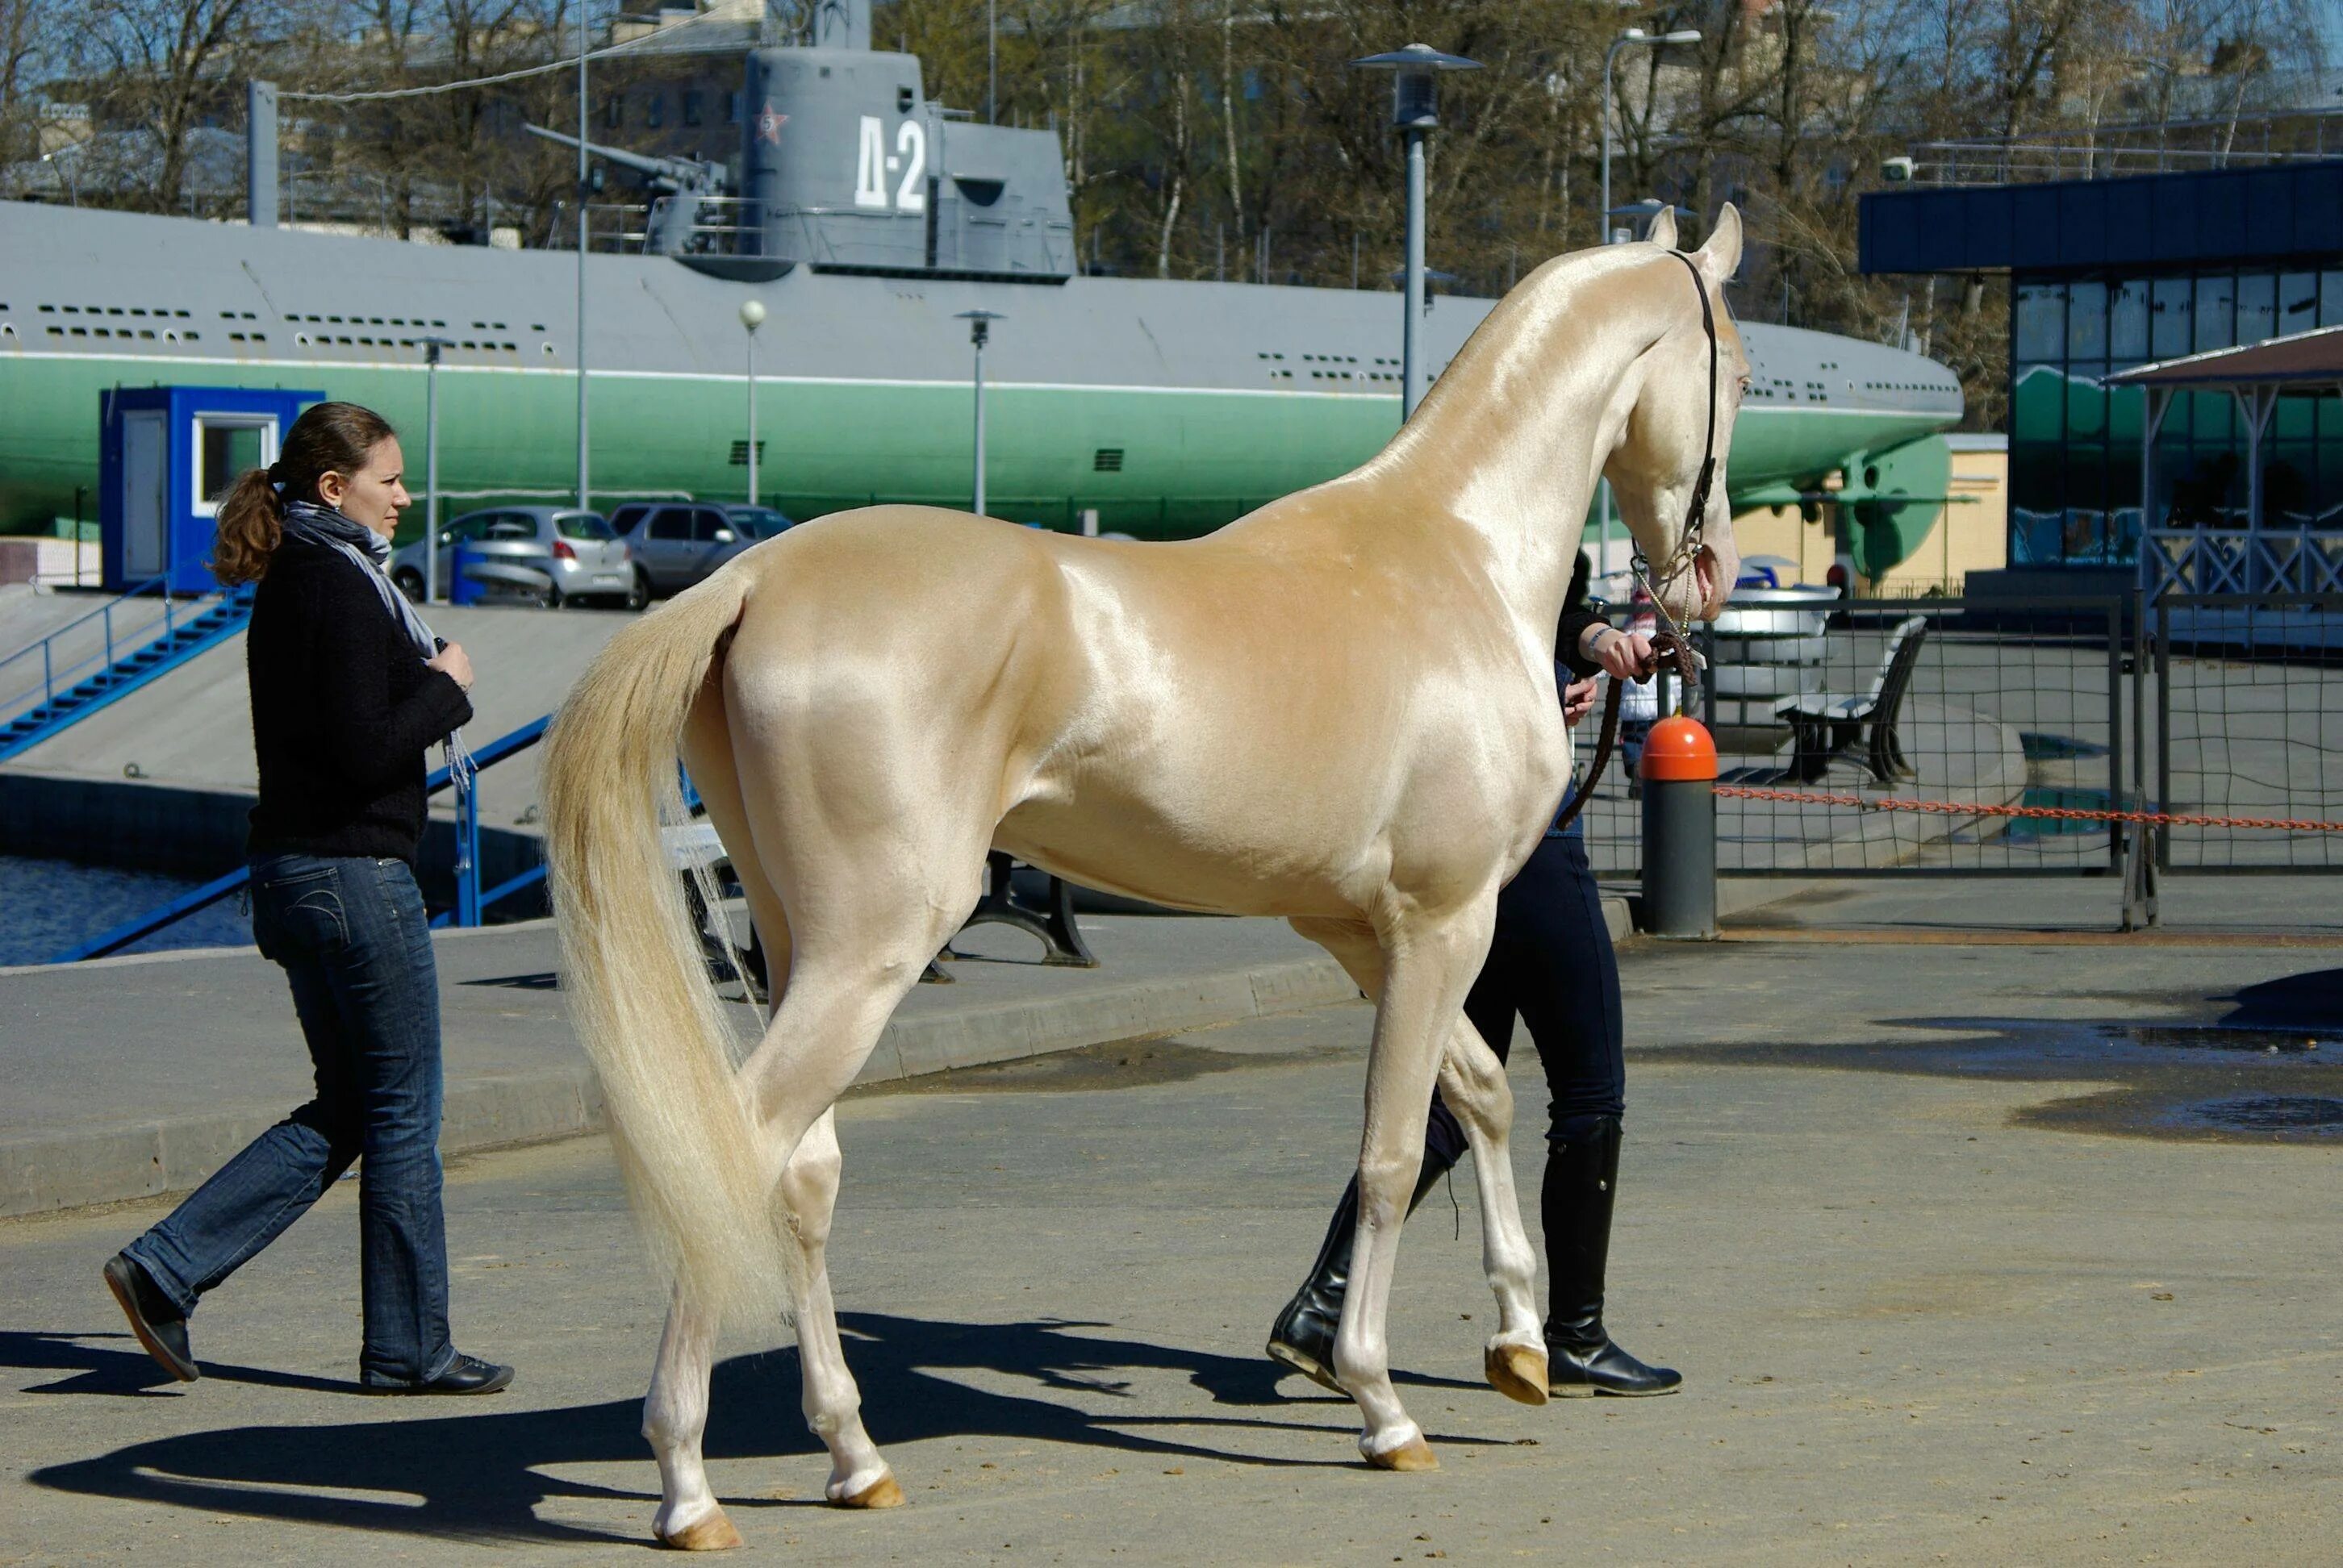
2127,406
2039,324
2213,418
2128,320
2034,479
2297,301
2087,477
2039,398
2217,310
2257,308
2331,484
2289,483
2087,401
2087,321
2330,299
2296,420
2170,333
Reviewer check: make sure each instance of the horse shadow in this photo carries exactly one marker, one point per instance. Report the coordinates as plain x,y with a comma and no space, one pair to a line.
480,1475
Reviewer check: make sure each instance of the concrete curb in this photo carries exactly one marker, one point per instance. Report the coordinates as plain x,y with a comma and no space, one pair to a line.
80,1167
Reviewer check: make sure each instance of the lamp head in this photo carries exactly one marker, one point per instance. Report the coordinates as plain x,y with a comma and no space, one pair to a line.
752,314
1415,69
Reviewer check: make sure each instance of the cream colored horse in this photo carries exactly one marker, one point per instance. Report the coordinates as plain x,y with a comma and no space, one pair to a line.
1339,709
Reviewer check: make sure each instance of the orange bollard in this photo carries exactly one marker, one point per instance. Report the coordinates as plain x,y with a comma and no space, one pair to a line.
1679,774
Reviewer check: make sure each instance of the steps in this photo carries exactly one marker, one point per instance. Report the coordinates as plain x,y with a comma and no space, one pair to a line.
172,646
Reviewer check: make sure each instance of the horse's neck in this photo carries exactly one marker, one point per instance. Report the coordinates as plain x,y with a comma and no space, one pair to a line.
1509,443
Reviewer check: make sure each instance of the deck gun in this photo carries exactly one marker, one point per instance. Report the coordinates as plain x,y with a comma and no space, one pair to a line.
681,182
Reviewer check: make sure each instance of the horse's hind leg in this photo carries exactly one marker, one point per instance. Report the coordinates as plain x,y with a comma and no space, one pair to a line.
859,1477
674,1415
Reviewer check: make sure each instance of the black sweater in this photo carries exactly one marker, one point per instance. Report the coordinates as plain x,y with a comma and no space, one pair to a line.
343,711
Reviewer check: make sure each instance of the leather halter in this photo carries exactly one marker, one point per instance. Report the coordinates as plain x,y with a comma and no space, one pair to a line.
1673,640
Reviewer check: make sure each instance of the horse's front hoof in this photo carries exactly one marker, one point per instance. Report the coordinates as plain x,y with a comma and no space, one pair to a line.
713,1533
1517,1372
1413,1454
880,1494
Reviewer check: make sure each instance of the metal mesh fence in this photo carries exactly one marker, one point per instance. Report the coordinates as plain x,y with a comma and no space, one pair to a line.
2248,722
2007,703
2227,704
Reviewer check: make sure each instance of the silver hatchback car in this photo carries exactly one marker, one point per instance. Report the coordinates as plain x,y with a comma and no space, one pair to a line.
587,560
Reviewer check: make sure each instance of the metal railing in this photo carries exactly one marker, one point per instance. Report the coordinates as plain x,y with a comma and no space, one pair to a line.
2202,560
54,677
471,898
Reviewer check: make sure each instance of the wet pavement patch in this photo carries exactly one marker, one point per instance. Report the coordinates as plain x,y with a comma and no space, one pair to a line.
2275,1112
2196,1081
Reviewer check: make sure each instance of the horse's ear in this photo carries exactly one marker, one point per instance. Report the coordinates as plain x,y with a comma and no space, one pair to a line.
1720,258
1663,229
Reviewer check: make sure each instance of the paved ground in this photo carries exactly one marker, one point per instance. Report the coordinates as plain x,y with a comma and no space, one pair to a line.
1924,1315
132,1077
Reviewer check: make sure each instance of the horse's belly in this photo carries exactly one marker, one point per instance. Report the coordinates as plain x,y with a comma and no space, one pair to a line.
1141,857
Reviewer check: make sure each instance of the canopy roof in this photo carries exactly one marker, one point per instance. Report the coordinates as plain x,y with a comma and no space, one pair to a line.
2302,361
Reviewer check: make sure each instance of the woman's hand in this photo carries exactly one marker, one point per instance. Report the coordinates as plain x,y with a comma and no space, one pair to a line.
1627,655
452,661
1578,700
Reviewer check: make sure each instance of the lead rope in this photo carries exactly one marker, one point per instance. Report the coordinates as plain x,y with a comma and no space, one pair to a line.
1665,644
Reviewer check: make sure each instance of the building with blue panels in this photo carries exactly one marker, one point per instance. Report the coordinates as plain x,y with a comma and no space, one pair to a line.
2110,273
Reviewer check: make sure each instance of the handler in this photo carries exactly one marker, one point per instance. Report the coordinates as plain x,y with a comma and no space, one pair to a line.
349,689
1550,961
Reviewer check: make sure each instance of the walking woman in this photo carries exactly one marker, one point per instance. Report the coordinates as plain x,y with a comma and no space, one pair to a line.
349,689
1550,961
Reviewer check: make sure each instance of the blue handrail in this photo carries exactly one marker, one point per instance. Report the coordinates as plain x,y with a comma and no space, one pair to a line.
52,676
469,899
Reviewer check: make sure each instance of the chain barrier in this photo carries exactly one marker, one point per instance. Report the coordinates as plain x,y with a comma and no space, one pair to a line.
2051,813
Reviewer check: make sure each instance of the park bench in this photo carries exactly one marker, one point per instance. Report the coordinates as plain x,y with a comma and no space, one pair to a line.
1824,724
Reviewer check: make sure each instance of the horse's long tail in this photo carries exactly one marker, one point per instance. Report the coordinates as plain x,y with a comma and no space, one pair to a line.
632,965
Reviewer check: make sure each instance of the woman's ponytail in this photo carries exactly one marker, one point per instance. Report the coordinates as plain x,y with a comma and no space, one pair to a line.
328,437
251,521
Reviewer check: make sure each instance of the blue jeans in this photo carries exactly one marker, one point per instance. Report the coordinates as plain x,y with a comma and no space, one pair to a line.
355,940
1550,963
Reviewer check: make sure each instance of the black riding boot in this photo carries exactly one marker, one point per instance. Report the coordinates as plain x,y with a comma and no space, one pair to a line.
1581,1179
1303,1335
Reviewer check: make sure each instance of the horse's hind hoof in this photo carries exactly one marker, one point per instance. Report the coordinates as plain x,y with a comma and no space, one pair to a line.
713,1533
1413,1454
880,1494
1517,1372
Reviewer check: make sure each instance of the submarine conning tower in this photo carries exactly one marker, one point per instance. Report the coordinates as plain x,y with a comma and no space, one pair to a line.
846,167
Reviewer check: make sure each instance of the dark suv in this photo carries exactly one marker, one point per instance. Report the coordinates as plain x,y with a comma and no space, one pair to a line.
675,544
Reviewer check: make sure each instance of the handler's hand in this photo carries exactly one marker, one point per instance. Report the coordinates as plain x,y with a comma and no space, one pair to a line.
1578,700
1627,655
452,660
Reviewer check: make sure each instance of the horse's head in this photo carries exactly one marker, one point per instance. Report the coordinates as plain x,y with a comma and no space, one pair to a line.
1667,472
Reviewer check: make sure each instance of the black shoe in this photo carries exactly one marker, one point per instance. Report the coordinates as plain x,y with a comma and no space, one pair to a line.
1575,1374
1582,1181
154,1318
465,1374
1302,1337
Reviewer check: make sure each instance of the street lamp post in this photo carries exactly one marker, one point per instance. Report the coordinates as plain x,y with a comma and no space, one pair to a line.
1633,35
752,317
585,500
1415,113
431,346
980,330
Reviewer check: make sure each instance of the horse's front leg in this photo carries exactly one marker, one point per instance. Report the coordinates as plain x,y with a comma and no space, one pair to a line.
1473,1082
1427,968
